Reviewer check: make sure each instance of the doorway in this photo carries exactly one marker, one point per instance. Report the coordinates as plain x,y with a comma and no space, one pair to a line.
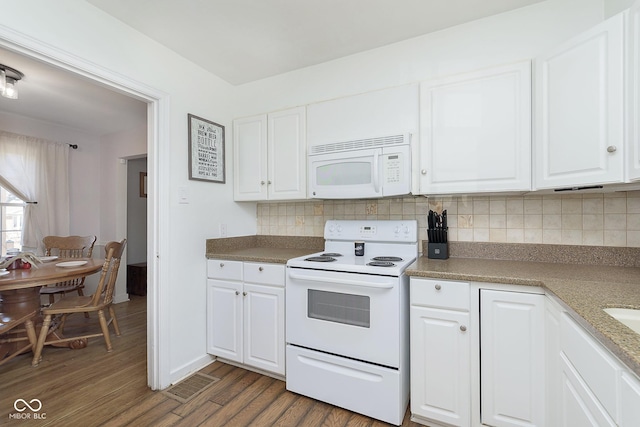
157,137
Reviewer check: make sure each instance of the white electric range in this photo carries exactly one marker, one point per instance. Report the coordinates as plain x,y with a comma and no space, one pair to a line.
347,318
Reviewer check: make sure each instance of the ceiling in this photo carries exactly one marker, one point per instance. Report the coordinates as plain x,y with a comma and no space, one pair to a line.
238,40
56,96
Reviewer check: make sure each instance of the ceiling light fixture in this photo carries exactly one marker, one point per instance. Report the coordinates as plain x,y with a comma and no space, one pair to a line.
8,79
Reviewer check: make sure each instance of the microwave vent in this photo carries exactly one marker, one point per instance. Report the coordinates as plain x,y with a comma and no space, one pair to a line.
361,143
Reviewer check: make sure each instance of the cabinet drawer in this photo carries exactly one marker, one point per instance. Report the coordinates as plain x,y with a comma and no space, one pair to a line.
598,369
224,269
265,273
440,293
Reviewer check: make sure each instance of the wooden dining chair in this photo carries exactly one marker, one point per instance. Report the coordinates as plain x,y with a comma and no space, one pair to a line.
100,302
67,247
12,341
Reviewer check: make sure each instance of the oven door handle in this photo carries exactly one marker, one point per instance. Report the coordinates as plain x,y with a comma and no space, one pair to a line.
362,283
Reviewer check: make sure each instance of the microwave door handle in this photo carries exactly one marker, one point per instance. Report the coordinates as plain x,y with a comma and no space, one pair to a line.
376,172
341,281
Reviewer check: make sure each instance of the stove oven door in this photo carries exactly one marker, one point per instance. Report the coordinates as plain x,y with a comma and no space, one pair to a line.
346,314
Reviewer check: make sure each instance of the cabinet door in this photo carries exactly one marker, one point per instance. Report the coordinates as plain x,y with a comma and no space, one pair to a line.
579,407
476,131
385,112
633,91
440,365
512,358
264,340
553,376
629,400
287,146
224,319
250,158
579,110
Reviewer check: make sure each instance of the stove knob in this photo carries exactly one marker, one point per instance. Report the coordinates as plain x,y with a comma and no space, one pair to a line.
397,230
331,228
339,229
406,230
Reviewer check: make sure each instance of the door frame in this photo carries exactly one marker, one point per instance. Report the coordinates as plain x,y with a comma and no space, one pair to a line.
158,356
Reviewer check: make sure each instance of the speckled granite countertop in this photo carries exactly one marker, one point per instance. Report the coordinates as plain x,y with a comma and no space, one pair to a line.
274,249
582,289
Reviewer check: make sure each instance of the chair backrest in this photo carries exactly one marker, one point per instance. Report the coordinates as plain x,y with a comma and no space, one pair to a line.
109,274
69,246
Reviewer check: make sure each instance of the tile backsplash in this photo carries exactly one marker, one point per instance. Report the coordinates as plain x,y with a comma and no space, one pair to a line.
609,219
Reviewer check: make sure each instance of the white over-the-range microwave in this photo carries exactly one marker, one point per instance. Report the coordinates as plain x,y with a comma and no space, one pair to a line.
360,169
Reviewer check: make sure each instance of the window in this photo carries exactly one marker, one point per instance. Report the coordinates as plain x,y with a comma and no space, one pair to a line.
11,220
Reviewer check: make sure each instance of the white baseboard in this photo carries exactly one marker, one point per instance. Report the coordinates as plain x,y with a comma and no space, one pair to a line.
188,369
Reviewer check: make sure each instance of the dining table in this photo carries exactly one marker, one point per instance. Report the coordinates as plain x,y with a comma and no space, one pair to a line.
20,288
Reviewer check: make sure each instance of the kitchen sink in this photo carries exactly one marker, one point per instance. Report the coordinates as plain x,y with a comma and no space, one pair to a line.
627,316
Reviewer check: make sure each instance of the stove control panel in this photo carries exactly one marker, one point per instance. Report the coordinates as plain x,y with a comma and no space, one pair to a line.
368,230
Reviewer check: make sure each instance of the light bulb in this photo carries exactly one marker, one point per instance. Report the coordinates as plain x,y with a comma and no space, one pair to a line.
3,81
10,90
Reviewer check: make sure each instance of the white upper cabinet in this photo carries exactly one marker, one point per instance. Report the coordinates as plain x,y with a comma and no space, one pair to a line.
250,158
287,154
270,156
579,126
476,131
386,112
633,92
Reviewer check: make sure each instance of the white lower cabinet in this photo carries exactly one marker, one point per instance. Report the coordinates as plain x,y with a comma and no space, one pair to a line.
586,385
579,406
245,313
440,378
629,400
487,354
512,358
453,384
440,352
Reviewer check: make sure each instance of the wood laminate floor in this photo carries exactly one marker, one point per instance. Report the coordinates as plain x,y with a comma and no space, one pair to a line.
91,387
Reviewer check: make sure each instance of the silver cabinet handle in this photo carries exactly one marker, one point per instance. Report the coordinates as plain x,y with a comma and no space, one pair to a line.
221,264
237,293
261,182
244,294
463,328
612,149
269,182
423,171
260,269
438,287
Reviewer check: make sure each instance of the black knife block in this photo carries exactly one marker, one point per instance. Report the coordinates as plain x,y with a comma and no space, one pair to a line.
438,250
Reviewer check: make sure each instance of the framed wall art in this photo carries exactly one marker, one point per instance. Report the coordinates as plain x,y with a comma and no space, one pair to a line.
206,150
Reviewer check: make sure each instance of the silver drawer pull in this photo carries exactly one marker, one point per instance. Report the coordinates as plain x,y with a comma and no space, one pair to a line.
438,287
244,294
463,328
260,269
237,293
221,264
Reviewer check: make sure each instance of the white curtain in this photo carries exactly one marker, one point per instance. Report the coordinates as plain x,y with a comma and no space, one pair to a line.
37,170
